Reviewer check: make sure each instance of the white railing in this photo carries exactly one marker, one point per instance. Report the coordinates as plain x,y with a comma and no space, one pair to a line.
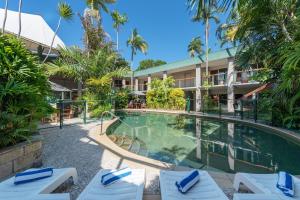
185,83
241,77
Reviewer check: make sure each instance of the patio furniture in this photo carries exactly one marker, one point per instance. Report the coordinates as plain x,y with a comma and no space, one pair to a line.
137,105
39,189
130,105
130,187
264,184
143,105
206,188
255,197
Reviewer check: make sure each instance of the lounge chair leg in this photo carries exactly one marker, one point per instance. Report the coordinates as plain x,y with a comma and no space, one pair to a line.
237,182
73,174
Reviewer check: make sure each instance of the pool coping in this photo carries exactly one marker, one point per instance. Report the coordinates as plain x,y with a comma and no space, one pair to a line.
286,134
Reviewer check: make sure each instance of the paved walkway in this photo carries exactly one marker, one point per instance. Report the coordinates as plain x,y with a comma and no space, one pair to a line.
82,147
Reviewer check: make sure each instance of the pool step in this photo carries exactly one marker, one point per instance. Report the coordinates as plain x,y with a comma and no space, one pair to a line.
135,147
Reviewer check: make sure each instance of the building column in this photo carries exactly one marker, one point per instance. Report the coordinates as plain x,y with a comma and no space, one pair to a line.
132,82
165,75
136,85
149,83
123,83
198,88
230,88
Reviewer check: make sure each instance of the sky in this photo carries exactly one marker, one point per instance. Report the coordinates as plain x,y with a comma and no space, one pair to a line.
165,24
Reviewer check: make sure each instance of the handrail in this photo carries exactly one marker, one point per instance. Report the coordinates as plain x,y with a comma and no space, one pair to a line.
108,112
132,128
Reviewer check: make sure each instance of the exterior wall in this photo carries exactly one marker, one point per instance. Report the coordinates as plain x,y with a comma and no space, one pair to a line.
20,157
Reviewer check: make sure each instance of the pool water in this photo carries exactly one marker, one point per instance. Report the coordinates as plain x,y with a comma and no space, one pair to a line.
205,144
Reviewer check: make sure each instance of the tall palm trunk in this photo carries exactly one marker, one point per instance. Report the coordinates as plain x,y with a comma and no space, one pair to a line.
53,39
20,18
206,43
206,54
132,54
117,39
5,16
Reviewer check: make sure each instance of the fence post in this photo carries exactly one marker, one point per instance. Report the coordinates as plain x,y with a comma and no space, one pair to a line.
255,110
220,109
242,109
84,112
61,114
188,105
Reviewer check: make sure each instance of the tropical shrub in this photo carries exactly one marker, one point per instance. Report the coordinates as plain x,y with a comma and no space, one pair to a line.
176,99
163,96
121,98
23,90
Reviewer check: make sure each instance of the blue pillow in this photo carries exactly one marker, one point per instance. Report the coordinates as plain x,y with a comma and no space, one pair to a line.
32,175
185,184
114,176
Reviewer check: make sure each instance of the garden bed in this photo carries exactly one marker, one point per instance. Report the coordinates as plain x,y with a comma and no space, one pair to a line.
20,157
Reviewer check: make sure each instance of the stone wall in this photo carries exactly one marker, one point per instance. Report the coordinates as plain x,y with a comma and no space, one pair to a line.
20,157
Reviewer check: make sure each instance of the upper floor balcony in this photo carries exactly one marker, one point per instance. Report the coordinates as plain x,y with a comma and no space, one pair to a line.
239,78
185,83
244,77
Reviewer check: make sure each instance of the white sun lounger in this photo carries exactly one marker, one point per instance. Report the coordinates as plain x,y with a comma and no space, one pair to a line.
264,184
205,189
40,189
255,197
128,188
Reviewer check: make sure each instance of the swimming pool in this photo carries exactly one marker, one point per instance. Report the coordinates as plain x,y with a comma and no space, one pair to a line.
205,144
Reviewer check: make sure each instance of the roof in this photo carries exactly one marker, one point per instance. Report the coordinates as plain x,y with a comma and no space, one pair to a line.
222,54
58,88
34,28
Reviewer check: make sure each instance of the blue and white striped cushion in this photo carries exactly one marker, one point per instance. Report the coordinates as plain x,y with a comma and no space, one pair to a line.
33,175
286,184
114,176
188,181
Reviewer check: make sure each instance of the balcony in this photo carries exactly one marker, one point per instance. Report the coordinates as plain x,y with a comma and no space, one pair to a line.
216,79
244,77
185,83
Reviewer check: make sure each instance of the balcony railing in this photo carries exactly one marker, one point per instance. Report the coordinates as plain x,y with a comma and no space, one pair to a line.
241,77
185,83
216,79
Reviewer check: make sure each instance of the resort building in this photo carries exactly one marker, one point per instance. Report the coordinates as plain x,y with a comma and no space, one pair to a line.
225,82
37,36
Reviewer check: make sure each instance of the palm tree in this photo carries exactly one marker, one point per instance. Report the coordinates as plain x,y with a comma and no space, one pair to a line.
66,13
136,43
205,11
195,47
74,63
5,16
96,5
20,18
119,20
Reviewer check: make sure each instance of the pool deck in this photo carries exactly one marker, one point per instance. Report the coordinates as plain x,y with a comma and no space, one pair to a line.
82,147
